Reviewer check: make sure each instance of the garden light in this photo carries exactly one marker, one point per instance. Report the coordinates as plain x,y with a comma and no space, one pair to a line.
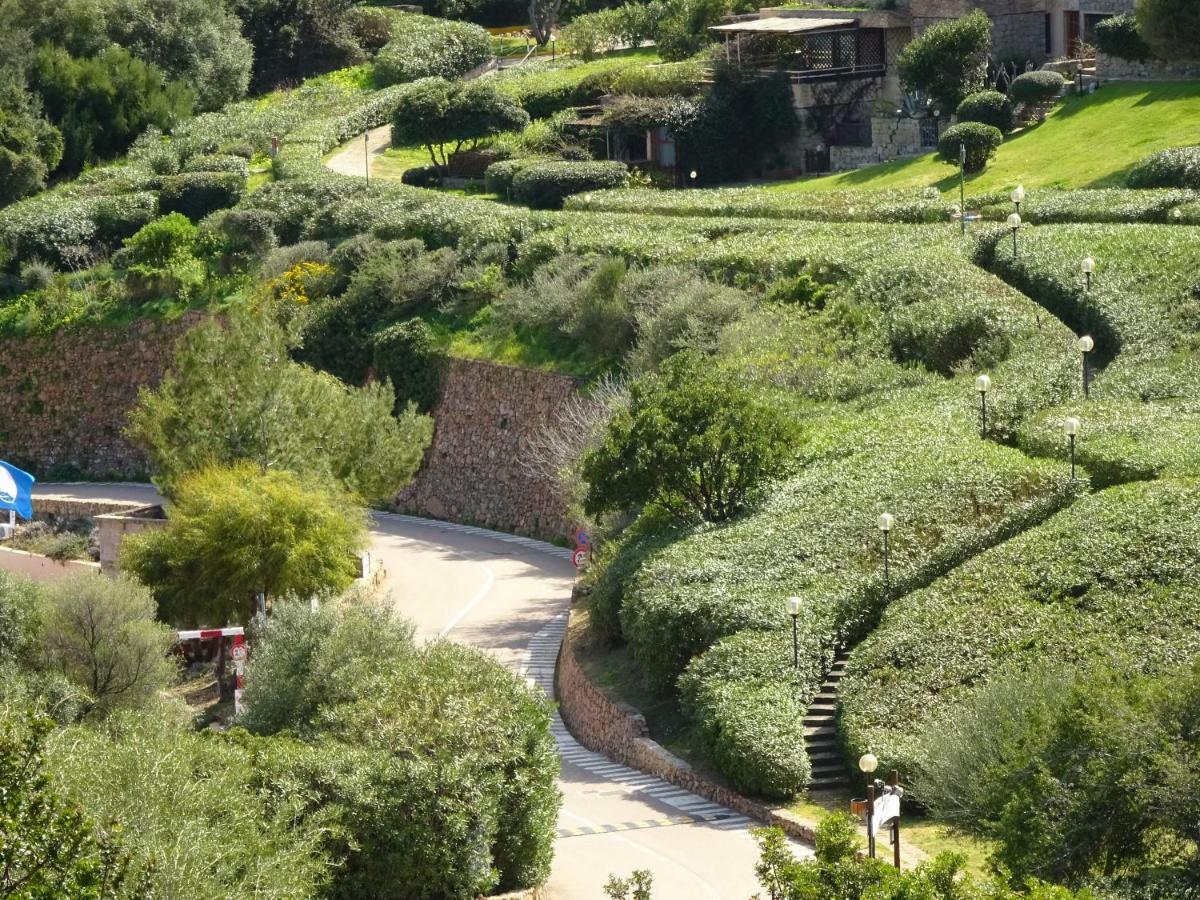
1071,427
885,525
868,763
793,607
1086,346
1087,267
1018,197
983,384
693,175
1014,222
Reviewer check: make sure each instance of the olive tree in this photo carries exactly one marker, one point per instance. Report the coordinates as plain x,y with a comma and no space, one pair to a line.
695,439
444,116
234,394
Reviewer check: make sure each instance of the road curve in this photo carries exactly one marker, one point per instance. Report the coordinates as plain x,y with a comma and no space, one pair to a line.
510,596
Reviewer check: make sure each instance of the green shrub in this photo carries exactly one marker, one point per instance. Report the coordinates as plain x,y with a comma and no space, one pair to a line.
19,619
545,88
1118,36
948,60
1116,571
1041,86
408,355
1178,167
1097,205
989,107
438,114
422,46
160,241
426,176
982,141
546,185
1170,27
197,194
499,176
235,165
64,230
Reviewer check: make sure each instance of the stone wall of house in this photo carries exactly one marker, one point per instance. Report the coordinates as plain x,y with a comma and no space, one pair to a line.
65,398
890,138
1113,68
475,469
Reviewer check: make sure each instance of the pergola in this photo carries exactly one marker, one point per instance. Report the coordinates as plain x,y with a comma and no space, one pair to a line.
810,48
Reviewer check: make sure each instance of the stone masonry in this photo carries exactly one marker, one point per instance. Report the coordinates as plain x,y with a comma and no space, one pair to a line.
1113,68
65,398
474,470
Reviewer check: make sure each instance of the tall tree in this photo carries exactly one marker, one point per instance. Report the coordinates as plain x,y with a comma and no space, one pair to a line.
1171,27
234,394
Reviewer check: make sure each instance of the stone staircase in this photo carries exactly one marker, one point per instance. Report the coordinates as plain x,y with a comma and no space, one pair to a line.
821,735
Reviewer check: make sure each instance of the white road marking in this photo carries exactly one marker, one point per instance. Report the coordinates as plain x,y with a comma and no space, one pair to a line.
475,601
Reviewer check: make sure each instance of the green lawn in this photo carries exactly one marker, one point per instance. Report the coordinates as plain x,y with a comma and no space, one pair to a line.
1084,143
398,160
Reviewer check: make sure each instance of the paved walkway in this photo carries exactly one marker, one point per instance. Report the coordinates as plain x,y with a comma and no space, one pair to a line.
351,158
510,596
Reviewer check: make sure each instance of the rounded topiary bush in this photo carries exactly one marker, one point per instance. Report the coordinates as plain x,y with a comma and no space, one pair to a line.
426,176
989,107
1041,86
423,46
980,140
1119,36
546,185
197,194
1178,167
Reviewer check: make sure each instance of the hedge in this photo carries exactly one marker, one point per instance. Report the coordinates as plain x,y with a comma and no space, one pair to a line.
1178,167
989,107
1041,86
64,230
544,88
422,47
197,194
545,185
235,165
1118,36
1119,570
981,142
1046,206
499,176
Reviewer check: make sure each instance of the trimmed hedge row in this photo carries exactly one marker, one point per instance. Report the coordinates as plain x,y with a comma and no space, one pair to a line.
544,88
1102,205
545,185
1119,571
424,47
1178,167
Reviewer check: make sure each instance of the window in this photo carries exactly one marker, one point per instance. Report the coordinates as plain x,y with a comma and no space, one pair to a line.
1049,37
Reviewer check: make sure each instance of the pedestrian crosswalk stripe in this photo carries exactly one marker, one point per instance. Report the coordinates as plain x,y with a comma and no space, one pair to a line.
665,822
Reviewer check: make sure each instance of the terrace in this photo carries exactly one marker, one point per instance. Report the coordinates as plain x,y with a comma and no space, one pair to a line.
807,49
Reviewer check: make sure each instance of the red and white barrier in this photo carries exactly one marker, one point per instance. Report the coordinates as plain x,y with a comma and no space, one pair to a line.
238,654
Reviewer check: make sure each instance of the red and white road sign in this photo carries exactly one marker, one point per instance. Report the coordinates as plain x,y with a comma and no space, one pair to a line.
579,558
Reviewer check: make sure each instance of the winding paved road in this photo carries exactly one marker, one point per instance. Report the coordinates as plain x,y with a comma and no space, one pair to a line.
510,596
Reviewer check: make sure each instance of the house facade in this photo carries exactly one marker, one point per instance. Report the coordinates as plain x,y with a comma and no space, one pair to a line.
842,64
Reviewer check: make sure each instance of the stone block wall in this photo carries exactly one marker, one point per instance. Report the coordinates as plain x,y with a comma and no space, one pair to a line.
890,138
474,471
1113,68
65,398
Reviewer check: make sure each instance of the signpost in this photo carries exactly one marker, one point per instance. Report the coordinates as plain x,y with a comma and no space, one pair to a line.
238,654
583,548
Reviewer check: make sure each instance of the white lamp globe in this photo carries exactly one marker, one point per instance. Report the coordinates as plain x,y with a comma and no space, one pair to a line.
793,606
868,762
983,384
1014,221
1088,266
1086,344
1071,426
1018,194
886,522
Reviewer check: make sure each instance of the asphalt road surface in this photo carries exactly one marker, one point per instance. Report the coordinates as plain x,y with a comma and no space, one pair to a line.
509,596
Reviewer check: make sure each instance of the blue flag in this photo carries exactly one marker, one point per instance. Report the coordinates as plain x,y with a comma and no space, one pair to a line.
16,490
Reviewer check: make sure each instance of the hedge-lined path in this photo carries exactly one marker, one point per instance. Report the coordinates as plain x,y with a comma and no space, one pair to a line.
351,158
509,596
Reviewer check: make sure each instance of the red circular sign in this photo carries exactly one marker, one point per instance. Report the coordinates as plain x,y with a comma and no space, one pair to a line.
579,558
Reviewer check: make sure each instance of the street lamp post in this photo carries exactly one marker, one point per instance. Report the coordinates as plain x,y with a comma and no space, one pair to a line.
693,175
793,606
1018,197
886,521
868,763
1087,266
1086,346
983,384
1014,222
1071,427
367,156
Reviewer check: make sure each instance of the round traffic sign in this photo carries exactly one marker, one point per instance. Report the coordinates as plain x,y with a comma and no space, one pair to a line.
579,558
239,653
582,538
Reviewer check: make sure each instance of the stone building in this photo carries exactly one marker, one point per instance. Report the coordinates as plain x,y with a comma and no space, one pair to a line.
841,61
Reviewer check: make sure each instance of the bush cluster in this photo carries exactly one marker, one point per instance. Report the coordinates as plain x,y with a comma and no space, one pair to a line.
1178,167
546,185
989,107
980,140
1041,86
422,46
1118,36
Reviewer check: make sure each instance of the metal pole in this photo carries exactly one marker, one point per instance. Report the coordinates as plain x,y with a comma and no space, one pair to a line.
887,579
1085,374
894,781
962,187
1088,275
795,645
1072,437
870,819
367,154
1014,231
983,414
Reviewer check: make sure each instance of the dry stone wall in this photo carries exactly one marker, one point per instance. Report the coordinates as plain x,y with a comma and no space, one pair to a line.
65,398
1113,68
475,470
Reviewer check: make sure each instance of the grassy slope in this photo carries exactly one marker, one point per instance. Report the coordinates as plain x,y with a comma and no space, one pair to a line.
1085,142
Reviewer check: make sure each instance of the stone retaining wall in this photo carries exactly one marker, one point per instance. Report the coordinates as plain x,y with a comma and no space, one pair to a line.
1113,68
43,568
474,471
65,398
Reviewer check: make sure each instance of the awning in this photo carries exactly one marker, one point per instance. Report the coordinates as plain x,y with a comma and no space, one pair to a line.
784,25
